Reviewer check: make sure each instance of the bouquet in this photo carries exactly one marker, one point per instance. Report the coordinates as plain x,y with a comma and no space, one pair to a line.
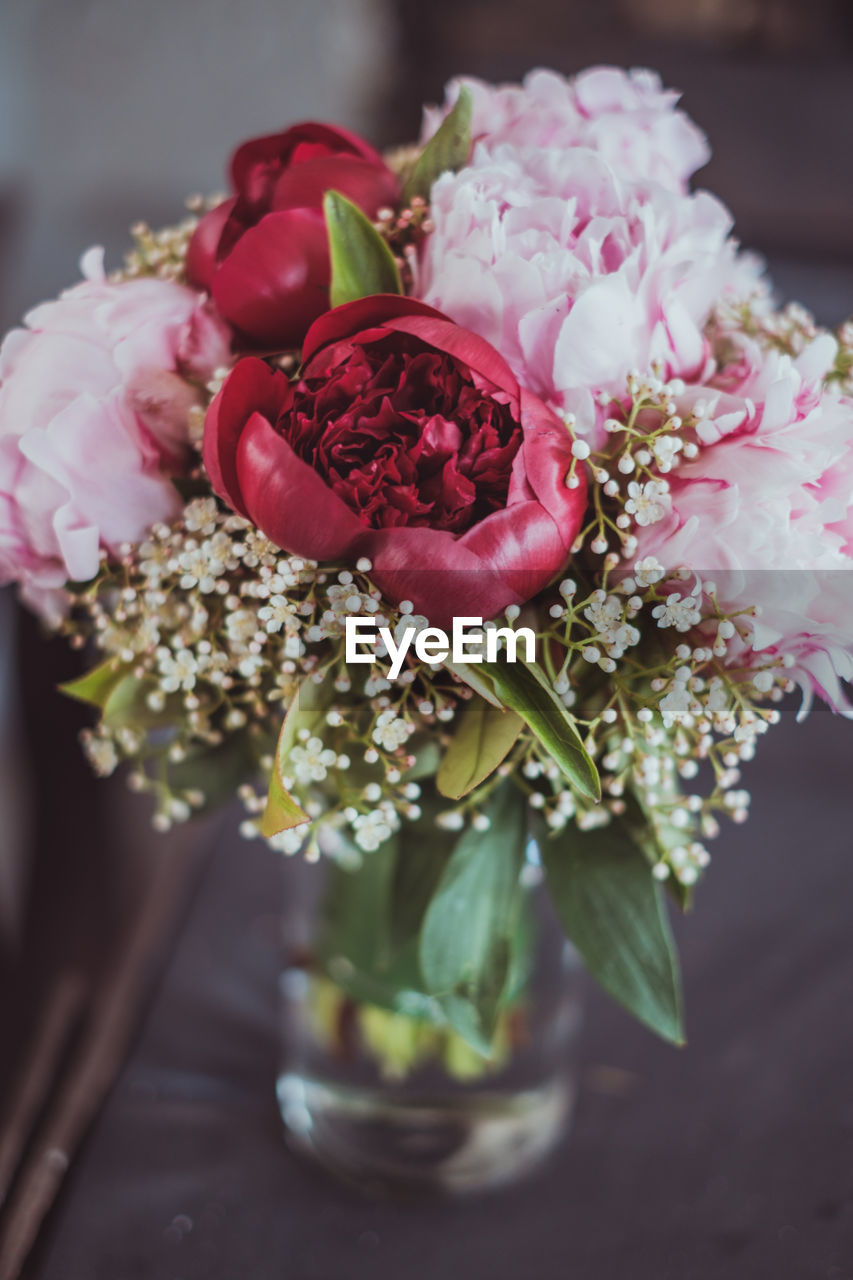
466,511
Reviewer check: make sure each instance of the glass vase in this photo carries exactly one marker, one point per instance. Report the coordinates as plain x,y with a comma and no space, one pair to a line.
378,1088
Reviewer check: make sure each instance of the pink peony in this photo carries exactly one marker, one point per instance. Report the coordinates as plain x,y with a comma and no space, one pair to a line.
570,242
766,509
94,400
627,117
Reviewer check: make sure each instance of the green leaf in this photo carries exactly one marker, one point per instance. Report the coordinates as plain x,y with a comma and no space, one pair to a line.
448,149
282,812
611,908
306,711
468,929
470,675
465,1019
427,755
423,854
525,690
482,741
95,687
362,263
127,706
354,912
121,697
359,944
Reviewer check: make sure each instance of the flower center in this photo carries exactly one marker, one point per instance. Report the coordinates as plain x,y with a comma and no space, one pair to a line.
404,436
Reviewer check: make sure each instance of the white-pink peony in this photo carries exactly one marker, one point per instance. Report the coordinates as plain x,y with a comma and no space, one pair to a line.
571,242
627,117
94,400
766,509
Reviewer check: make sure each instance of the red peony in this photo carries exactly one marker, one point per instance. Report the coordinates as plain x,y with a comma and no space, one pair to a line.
264,253
406,439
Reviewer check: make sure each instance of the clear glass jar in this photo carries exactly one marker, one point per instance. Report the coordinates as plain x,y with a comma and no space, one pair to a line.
389,1099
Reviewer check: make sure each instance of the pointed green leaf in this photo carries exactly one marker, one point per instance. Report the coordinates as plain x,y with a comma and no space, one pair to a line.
121,697
611,908
354,911
525,690
448,149
482,741
427,755
362,263
423,854
470,675
307,711
467,1021
468,929
281,812
95,687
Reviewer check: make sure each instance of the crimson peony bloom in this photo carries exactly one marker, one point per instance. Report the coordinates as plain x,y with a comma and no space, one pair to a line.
407,440
264,254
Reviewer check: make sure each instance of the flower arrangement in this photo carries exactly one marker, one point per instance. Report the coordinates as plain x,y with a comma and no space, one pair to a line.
519,376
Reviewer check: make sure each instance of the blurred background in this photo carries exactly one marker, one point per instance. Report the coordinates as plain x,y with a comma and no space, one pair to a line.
114,110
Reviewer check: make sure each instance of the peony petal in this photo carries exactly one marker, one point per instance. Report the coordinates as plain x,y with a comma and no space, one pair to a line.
438,573
361,317
256,165
85,443
203,247
521,546
251,383
408,315
288,501
470,349
368,185
546,457
275,281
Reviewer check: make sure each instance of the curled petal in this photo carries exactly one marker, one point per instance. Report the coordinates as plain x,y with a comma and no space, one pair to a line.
363,317
546,458
275,280
521,547
436,572
304,185
256,165
288,501
204,245
251,382
466,347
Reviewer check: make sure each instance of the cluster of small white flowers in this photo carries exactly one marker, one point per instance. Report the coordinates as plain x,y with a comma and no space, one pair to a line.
609,616
680,612
392,730
648,439
215,629
658,723
374,827
100,752
163,252
648,502
309,761
790,329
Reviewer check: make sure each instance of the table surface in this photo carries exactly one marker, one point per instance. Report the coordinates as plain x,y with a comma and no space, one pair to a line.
731,1158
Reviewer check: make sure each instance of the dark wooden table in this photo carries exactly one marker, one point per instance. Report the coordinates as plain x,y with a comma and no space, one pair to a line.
730,1159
